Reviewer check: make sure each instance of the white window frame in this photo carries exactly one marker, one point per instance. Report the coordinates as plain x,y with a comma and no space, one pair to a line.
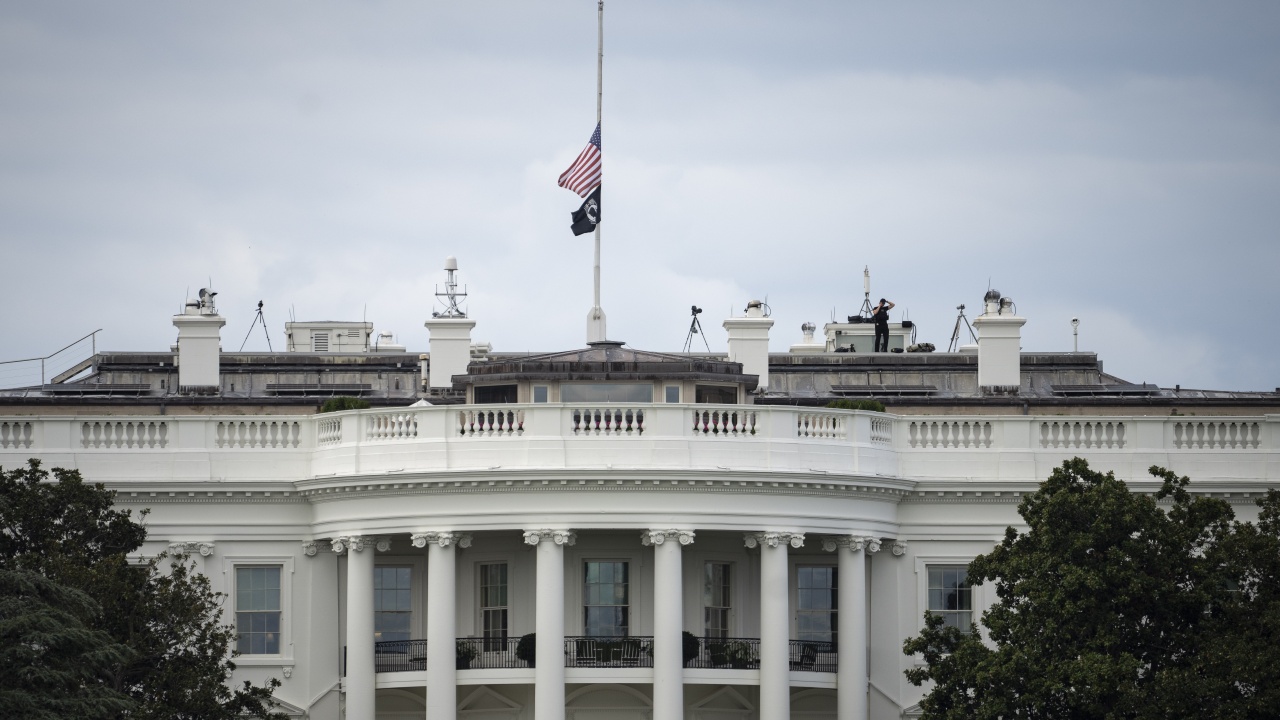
636,589
735,628
977,594
418,583
793,582
286,564
415,578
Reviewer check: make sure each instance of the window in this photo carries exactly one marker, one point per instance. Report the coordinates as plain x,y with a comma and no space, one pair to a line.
392,603
951,596
716,603
489,394
606,604
258,610
673,393
816,604
716,394
606,392
539,393
493,605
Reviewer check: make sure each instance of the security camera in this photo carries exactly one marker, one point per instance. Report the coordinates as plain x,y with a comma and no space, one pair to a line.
1075,321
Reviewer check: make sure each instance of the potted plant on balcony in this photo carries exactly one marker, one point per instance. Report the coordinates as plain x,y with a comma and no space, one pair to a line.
689,647
465,653
740,655
527,649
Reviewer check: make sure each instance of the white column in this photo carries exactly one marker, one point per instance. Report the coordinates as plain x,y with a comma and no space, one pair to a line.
548,674
360,660
668,625
775,621
442,671
851,673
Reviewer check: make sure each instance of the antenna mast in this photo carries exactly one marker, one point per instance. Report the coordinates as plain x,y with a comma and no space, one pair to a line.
451,295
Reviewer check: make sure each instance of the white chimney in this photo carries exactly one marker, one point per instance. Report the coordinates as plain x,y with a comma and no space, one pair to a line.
999,344
199,343
749,342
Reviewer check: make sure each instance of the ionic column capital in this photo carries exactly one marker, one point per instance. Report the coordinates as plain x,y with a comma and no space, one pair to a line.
773,539
358,543
559,537
657,537
443,538
899,547
192,547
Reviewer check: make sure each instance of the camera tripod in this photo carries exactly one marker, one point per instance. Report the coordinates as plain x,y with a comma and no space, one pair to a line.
955,333
258,319
695,328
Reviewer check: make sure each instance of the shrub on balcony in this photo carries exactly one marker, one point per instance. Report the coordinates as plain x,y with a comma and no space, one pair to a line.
869,405
342,402
465,651
689,646
527,649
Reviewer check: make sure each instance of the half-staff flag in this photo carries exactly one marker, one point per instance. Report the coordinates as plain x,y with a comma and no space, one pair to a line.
583,175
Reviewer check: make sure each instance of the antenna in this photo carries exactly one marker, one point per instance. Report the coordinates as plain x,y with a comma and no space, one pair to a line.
865,310
451,295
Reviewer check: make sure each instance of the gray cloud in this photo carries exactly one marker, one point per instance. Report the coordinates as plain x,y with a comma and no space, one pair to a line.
1119,163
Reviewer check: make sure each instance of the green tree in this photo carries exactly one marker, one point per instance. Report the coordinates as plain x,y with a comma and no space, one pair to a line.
149,635
1112,606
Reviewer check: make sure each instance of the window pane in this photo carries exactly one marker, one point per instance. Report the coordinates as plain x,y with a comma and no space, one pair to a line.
673,393
606,392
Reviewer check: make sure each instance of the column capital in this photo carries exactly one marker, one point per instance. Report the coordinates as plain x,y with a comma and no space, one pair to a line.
657,537
773,539
192,547
357,543
854,543
559,537
443,538
899,547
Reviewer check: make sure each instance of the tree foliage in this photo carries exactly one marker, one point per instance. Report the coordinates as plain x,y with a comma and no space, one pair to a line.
88,634
1116,605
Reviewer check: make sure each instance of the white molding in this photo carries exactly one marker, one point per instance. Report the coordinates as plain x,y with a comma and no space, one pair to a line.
287,610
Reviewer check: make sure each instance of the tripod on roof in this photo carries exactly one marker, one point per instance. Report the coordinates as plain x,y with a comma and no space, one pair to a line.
955,333
695,328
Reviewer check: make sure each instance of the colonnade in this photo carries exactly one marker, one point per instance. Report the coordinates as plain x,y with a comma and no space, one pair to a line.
668,626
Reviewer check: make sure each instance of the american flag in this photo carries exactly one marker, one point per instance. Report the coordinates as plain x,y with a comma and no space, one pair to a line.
584,174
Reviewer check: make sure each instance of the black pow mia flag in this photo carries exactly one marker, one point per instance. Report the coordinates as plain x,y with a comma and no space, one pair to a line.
587,217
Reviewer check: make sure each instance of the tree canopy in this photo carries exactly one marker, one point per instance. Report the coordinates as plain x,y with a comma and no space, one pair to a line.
1115,604
86,633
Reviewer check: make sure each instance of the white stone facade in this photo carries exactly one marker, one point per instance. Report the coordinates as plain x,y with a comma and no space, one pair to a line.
763,498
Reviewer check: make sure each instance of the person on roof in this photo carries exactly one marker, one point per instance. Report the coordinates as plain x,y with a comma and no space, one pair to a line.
880,316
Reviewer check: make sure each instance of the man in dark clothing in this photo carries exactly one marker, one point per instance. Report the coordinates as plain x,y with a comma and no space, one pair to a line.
880,316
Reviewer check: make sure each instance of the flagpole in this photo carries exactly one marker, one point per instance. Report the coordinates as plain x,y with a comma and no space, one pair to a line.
596,320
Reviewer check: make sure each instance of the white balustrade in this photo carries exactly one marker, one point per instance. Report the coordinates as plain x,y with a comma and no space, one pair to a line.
736,422
15,434
820,425
490,422
1215,434
607,421
881,431
1082,434
328,431
390,426
257,434
106,434
949,434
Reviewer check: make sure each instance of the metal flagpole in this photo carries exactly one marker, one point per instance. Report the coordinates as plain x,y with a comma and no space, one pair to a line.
596,320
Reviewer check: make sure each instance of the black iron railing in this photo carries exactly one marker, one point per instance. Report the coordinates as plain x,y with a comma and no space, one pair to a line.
492,652
619,652
812,656
400,655
734,653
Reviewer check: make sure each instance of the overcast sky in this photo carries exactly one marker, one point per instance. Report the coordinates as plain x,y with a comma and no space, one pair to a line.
1119,162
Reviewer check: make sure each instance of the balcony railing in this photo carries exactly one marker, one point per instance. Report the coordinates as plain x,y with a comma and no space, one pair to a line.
621,652
400,655
733,653
812,656
597,652
493,652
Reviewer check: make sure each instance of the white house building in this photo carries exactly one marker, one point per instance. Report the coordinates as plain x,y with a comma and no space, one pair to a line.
677,535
